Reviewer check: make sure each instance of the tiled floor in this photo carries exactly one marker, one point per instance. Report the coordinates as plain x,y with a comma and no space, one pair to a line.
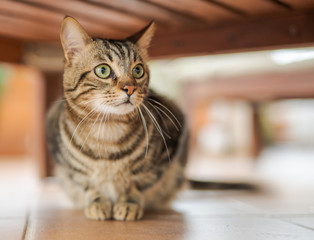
45,214
195,215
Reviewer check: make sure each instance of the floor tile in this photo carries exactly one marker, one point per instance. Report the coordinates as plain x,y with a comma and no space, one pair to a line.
305,221
169,226
12,229
196,215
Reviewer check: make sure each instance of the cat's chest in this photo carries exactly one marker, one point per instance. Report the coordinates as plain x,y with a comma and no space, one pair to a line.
111,178
109,132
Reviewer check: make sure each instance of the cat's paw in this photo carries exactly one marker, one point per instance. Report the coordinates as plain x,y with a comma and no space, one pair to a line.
126,211
99,210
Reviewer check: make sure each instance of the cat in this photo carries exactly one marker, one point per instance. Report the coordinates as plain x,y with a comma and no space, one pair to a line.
119,147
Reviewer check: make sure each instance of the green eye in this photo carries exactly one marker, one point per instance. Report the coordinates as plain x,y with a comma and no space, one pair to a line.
138,71
102,71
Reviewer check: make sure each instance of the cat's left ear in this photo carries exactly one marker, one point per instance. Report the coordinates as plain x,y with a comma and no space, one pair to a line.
73,38
143,37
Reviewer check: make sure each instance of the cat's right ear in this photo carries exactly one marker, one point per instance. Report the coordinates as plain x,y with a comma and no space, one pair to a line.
73,38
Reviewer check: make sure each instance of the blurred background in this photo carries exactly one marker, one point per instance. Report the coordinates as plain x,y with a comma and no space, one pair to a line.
242,71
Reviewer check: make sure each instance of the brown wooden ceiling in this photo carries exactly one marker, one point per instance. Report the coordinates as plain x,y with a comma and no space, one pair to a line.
40,20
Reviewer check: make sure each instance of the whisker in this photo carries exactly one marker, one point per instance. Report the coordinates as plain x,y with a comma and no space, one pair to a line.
86,123
158,108
167,135
81,103
99,128
89,119
90,130
145,128
155,101
156,124
79,124
87,116
162,119
71,98
103,125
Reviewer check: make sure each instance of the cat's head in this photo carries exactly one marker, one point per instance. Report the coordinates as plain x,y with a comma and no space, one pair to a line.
109,76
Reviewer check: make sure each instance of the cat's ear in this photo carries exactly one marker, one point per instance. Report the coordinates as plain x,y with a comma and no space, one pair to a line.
143,37
73,38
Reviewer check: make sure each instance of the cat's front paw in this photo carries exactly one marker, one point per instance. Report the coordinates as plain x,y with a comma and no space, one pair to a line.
100,210
126,211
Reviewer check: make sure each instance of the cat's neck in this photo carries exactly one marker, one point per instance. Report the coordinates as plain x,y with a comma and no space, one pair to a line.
100,124
91,116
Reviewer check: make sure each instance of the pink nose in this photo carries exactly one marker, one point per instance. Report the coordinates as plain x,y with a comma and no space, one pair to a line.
129,89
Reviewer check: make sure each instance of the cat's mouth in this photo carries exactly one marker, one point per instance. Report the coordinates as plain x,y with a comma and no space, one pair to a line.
124,107
126,102
119,107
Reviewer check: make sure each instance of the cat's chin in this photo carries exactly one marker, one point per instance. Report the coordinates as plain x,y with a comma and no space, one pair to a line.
121,109
124,109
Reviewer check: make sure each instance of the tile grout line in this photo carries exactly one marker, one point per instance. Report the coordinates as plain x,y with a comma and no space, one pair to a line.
24,236
296,224
30,221
28,231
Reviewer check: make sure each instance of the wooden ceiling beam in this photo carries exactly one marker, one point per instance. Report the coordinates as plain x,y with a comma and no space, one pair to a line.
259,34
177,8
258,87
10,50
203,12
94,28
227,7
300,5
31,29
26,11
99,15
254,8
281,4
147,11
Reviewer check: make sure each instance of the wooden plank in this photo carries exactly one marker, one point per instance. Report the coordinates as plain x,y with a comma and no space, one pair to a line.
10,50
255,8
177,11
262,87
139,9
24,10
205,11
281,4
20,12
147,11
174,8
307,5
113,19
57,15
23,36
29,28
270,33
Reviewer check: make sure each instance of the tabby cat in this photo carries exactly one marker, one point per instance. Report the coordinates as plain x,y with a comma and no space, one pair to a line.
119,147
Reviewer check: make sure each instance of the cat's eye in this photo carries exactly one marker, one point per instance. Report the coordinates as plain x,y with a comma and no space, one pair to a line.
138,71
102,71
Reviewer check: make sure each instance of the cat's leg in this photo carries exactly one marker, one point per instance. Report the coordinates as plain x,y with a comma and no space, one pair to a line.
97,207
84,196
163,191
129,206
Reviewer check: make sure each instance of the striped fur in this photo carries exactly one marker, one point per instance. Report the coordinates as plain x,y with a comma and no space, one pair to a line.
115,154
